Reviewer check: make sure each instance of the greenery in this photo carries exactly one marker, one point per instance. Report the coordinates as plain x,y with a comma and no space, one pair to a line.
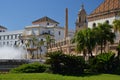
44,76
116,26
65,64
104,34
104,63
87,39
30,68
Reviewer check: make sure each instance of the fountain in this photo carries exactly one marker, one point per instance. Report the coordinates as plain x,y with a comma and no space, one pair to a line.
12,56
17,54
11,53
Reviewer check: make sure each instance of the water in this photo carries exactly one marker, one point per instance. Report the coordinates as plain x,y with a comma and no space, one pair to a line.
7,52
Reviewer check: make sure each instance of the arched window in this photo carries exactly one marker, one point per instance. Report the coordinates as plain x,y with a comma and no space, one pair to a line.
94,25
47,23
79,19
107,21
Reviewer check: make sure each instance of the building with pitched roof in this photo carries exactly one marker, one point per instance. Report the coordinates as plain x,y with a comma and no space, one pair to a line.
107,11
45,20
3,29
40,28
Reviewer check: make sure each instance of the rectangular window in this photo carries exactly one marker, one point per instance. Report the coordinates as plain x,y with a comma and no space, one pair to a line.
7,43
4,37
11,36
16,36
48,31
59,33
3,43
7,36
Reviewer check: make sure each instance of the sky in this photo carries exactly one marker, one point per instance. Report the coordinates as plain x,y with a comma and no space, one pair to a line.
16,14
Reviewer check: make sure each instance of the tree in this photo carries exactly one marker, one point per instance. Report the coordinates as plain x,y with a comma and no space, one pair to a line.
116,25
104,35
118,50
40,43
32,45
85,41
90,40
49,40
35,41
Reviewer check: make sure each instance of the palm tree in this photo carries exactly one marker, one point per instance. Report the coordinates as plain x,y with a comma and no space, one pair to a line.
49,40
80,42
32,44
104,35
116,25
90,40
35,41
118,50
85,41
40,43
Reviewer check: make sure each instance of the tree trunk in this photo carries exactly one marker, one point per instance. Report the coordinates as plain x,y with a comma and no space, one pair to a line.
104,46
101,47
119,54
84,54
90,52
40,54
37,52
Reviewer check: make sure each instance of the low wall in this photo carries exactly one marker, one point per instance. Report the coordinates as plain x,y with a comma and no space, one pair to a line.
6,64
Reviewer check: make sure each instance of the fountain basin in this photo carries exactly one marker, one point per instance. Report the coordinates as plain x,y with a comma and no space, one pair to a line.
7,64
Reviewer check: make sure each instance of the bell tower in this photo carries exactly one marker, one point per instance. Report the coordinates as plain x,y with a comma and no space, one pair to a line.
81,22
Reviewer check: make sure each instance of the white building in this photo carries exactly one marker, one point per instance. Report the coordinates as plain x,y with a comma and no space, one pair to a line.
39,29
45,26
9,38
3,29
107,11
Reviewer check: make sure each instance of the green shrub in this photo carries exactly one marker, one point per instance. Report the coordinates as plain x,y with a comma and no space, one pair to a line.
103,63
65,64
117,65
30,68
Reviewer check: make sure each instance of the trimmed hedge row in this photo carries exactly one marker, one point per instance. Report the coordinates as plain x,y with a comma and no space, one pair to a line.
30,68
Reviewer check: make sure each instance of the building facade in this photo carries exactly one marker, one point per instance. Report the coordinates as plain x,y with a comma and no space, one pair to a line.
9,38
39,29
107,11
3,29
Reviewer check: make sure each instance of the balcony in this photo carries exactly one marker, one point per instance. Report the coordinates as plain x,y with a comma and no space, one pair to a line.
46,33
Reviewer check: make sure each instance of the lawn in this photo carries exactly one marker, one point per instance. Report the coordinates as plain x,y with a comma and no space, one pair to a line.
45,76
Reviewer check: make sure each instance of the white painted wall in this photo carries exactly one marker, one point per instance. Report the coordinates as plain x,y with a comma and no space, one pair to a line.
44,24
56,33
90,24
10,41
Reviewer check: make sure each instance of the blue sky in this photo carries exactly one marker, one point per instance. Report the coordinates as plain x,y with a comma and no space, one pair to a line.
16,14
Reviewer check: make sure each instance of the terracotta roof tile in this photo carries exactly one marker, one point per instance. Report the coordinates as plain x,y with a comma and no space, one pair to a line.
43,19
107,5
